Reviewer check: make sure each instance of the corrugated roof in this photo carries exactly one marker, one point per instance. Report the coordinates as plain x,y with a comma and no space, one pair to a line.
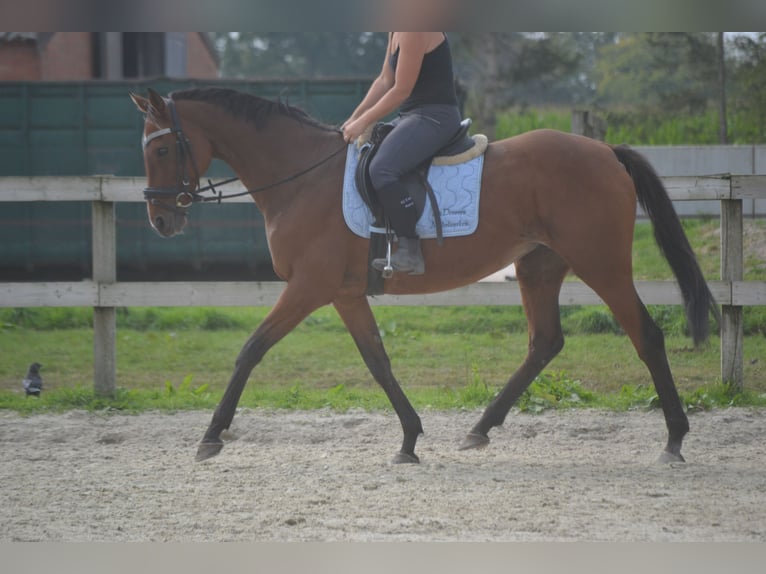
21,36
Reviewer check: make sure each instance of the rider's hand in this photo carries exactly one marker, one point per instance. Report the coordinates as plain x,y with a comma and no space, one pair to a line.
352,130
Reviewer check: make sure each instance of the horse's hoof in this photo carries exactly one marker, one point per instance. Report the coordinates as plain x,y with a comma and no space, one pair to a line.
406,458
208,448
474,440
669,457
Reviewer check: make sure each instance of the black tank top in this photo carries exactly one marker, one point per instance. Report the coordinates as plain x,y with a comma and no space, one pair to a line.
436,81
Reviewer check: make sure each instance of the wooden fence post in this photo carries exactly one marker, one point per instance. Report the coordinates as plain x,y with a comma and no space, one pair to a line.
104,318
586,123
732,268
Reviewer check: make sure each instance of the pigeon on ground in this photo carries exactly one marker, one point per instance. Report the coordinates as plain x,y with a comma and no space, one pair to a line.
33,382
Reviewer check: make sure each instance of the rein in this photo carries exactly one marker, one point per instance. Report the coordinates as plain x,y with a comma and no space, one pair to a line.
219,197
184,195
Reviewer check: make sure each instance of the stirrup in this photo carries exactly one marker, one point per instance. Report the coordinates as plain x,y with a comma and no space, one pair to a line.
411,265
384,264
388,269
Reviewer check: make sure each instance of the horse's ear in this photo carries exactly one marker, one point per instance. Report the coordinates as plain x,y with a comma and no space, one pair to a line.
141,103
157,102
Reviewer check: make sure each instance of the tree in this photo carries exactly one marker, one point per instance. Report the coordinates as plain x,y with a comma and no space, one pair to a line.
750,83
576,85
505,68
300,54
723,129
691,58
666,72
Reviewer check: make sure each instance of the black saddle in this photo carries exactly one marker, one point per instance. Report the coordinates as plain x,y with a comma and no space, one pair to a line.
460,143
416,183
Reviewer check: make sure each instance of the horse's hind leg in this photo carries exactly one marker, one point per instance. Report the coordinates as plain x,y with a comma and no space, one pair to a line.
540,274
619,293
359,320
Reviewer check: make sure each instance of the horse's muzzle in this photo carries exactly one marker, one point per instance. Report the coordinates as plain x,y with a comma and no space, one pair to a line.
161,225
168,224
167,218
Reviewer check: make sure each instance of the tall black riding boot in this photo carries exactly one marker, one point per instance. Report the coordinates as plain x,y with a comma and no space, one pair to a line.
401,211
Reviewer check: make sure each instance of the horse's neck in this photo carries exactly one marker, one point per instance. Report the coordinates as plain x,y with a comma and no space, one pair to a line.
275,153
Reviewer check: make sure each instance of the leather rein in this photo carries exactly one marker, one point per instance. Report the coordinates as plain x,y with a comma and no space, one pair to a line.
185,194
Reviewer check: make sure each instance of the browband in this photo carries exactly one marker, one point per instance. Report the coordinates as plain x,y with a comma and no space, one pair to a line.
146,139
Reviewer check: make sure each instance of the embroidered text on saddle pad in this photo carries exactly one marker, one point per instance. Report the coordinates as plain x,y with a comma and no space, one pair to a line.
456,187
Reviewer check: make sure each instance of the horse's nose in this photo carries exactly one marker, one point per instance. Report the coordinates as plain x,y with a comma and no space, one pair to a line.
159,223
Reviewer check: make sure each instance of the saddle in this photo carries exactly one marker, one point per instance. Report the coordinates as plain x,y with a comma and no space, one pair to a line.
417,185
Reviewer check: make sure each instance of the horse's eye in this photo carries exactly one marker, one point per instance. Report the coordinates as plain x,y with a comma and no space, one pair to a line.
162,151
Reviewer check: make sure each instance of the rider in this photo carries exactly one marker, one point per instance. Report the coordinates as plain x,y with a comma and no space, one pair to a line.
417,78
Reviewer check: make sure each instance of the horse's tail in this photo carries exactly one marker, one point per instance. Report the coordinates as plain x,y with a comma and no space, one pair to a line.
672,241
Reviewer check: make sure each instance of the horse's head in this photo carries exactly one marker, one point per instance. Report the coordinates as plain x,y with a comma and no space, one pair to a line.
175,155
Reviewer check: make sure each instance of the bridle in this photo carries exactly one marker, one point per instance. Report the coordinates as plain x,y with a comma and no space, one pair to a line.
183,191
185,195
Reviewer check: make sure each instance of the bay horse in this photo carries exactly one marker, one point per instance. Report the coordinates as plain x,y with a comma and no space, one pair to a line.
552,203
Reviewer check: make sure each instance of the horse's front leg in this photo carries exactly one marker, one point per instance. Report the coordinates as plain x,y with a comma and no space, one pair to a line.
292,307
359,320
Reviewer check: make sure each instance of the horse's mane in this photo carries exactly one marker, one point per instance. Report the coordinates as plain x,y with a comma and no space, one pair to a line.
249,107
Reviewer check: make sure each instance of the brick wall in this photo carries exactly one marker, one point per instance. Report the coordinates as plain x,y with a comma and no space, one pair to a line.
19,61
68,56
199,63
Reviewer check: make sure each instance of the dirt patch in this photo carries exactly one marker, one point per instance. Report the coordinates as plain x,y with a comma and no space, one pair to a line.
579,475
753,242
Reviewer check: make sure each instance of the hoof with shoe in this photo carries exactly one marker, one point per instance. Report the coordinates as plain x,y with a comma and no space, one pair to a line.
406,458
208,449
474,440
669,457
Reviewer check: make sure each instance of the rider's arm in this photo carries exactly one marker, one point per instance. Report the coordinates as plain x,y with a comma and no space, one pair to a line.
412,48
379,87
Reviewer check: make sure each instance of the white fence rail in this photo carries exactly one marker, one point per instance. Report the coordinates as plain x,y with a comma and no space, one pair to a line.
104,293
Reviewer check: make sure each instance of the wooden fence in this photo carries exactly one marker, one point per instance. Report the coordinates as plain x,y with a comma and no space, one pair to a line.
104,293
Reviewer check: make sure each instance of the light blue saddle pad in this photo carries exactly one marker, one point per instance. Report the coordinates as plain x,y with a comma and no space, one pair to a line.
457,193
